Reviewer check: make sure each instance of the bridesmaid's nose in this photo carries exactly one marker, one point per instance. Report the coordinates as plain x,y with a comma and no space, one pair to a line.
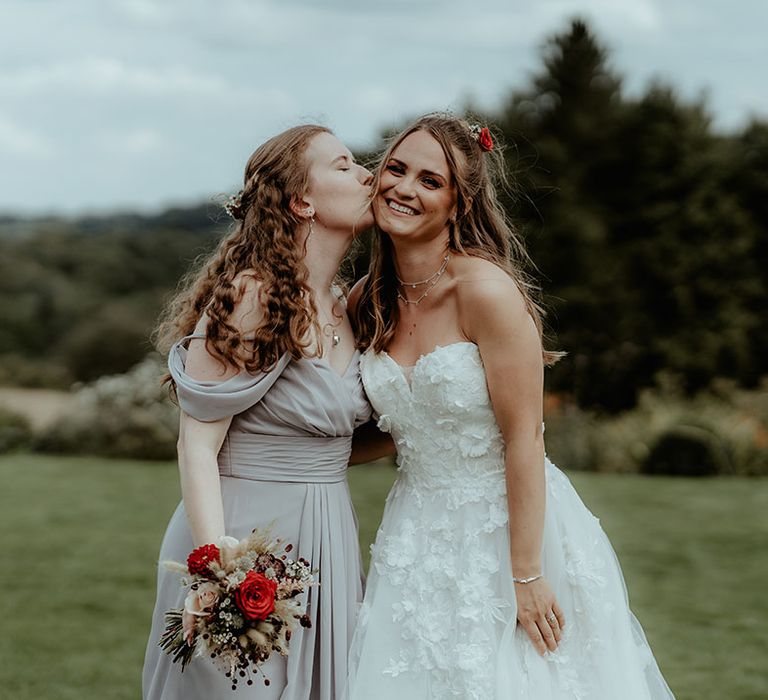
366,176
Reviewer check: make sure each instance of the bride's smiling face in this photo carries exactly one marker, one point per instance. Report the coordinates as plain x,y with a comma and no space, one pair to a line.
416,196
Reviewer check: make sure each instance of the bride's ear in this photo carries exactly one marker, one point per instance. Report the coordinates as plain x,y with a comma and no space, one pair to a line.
302,208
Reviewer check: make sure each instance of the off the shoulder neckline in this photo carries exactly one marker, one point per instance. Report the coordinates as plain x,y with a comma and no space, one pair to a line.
321,361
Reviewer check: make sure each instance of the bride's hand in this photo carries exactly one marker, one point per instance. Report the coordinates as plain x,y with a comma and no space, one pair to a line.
539,614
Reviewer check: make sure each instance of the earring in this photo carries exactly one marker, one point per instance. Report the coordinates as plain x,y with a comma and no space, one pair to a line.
311,223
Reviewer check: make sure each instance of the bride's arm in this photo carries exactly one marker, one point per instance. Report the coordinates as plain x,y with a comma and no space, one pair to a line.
511,351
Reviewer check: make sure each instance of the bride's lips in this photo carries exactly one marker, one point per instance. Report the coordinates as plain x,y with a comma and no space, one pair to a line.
400,209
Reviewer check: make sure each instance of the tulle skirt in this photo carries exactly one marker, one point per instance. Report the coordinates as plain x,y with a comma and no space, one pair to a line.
438,619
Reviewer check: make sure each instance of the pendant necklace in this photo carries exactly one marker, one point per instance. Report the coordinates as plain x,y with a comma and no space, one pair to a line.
330,328
335,337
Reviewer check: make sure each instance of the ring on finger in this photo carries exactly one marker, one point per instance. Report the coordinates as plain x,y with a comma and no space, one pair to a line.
551,618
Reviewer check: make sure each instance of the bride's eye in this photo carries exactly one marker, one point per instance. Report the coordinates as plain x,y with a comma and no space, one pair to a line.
431,183
395,168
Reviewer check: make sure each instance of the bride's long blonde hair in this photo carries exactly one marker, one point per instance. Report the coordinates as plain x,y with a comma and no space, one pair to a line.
482,229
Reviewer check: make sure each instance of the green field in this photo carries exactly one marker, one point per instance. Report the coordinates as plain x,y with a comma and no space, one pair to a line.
80,537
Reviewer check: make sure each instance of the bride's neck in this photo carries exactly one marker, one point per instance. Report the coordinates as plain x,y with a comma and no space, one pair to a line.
414,262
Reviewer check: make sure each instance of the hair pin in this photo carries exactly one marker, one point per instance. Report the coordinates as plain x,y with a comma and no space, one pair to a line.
482,134
233,205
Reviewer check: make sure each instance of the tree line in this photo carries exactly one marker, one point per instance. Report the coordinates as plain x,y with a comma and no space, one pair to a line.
647,225
649,228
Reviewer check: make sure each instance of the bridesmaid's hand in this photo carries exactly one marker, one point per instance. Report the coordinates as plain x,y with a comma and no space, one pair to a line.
188,627
539,614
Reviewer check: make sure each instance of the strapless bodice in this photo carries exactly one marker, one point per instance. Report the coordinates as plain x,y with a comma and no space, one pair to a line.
443,422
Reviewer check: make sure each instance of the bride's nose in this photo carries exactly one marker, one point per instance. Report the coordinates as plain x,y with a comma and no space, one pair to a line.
405,189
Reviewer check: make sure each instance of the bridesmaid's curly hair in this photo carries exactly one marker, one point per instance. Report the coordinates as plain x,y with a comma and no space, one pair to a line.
264,243
481,230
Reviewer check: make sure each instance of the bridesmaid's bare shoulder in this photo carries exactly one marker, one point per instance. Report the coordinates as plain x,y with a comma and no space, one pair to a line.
246,315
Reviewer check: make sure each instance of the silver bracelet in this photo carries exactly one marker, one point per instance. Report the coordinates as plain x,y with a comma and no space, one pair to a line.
530,579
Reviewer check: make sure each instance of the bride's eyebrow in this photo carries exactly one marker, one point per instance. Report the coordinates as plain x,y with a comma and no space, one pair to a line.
343,157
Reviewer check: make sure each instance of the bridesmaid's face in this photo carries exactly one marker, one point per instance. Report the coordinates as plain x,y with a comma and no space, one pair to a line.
339,189
416,195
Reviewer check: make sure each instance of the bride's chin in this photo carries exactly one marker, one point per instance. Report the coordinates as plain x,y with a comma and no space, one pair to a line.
397,236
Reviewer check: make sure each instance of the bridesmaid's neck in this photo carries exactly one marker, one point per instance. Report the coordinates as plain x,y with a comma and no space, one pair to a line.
325,251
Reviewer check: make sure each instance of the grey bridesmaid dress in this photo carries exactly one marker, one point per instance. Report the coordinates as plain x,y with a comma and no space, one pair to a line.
283,462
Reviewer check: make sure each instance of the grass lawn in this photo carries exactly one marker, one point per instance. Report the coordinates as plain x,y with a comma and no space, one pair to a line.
80,537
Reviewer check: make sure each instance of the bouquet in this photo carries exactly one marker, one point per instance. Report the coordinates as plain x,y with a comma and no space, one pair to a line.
243,604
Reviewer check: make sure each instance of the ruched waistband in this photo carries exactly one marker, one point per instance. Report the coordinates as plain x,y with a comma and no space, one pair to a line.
292,459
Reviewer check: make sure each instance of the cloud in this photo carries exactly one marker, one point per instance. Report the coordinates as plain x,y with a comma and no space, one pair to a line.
19,140
142,101
101,75
132,142
645,16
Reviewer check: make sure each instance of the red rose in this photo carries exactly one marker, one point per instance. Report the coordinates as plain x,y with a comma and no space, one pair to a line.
255,597
200,558
485,140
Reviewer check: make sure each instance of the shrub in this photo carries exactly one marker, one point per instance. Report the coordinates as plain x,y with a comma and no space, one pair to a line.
688,450
15,431
722,431
33,372
125,415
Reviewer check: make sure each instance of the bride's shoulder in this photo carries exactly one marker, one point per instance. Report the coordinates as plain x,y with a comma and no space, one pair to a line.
494,315
354,295
480,281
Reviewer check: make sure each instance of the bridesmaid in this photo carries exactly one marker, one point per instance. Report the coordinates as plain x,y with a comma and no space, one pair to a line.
264,365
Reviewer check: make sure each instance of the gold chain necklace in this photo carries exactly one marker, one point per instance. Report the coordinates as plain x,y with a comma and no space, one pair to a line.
434,279
413,285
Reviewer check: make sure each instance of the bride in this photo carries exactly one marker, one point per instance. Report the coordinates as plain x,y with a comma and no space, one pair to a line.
489,577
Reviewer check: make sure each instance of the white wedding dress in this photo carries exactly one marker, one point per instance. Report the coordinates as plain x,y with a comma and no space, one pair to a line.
438,620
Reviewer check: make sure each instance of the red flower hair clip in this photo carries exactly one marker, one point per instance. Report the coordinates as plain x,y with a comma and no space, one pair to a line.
482,135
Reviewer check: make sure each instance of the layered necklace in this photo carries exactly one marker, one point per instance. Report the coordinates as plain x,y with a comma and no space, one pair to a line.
430,283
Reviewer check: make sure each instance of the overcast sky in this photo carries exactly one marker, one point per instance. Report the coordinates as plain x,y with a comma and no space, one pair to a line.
137,104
